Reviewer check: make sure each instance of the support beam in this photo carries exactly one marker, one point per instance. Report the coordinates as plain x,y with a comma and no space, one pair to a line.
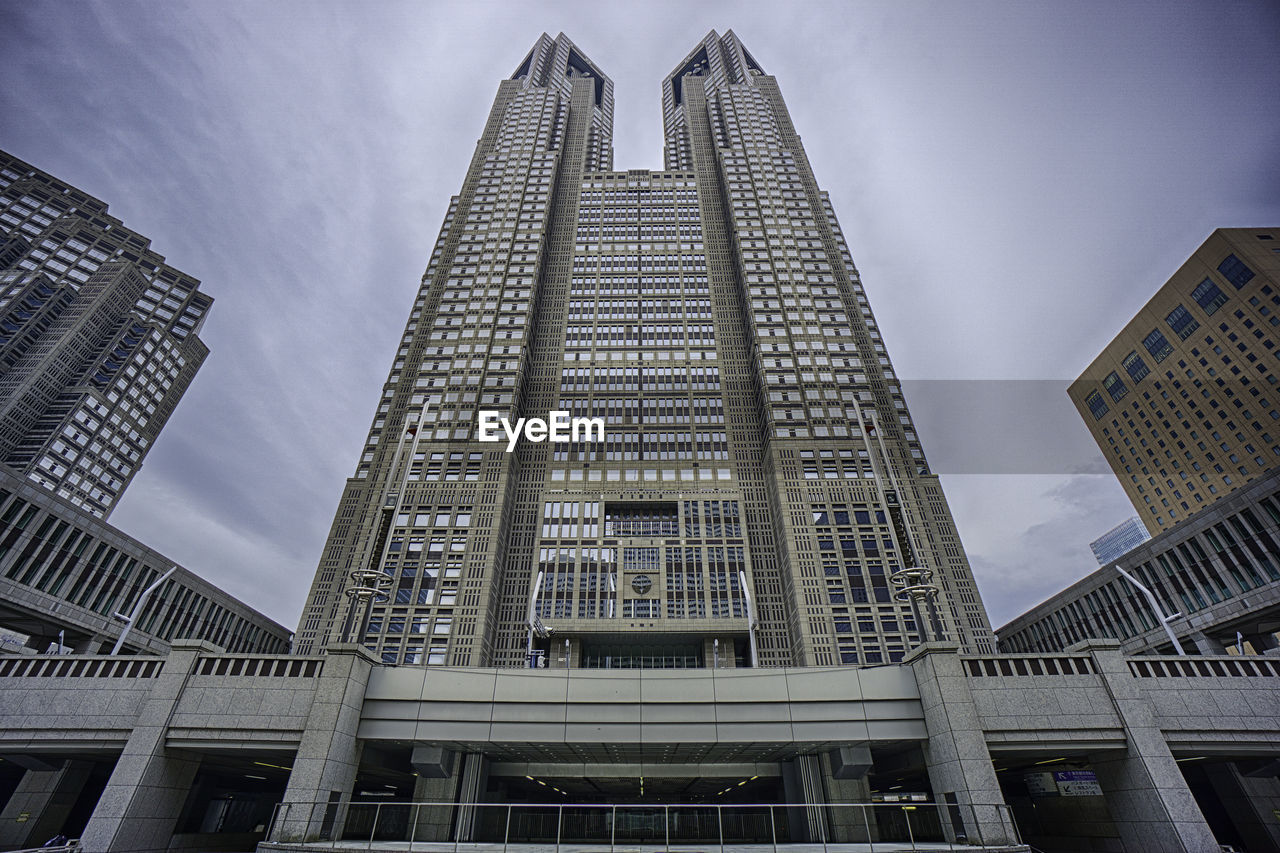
1146,793
139,809
328,758
959,765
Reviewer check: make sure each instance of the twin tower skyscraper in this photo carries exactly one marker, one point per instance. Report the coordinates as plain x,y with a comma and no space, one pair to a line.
759,496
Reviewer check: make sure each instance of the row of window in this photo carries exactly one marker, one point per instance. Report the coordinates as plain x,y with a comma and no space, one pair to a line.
1208,296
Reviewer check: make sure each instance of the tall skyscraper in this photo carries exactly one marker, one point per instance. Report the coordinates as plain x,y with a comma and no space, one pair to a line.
98,339
759,496
1183,402
1119,540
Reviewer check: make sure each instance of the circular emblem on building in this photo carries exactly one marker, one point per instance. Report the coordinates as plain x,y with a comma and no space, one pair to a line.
641,584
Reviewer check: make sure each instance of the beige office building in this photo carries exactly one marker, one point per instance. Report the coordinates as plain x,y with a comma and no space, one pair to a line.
1184,402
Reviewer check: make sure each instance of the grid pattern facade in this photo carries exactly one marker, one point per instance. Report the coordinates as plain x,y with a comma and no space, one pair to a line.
61,569
1184,403
711,316
1221,571
98,339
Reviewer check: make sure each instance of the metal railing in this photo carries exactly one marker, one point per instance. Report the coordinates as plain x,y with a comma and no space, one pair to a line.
436,826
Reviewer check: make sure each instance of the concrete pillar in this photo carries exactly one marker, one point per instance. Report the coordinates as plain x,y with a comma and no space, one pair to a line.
46,798
434,822
324,770
1147,796
802,788
475,778
144,797
1207,645
847,788
959,765
1250,803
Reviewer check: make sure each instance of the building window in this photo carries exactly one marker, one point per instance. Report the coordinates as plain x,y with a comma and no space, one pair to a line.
1157,344
1181,321
1209,296
1234,271
1096,404
1115,387
1135,366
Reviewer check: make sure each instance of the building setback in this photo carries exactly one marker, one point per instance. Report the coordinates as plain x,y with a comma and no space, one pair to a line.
760,481
1183,402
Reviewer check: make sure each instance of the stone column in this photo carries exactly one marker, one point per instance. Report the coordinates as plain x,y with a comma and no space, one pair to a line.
433,820
802,788
1147,796
852,818
959,765
144,797
475,778
46,797
324,770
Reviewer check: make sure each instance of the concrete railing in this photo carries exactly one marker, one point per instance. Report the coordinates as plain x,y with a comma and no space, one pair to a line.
1218,666
81,666
260,666
1022,665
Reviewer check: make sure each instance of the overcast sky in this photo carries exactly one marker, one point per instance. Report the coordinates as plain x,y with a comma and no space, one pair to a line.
1014,179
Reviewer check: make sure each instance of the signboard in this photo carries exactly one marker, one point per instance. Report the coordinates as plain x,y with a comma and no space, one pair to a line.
1040,784
1077,783
537,659
1063,783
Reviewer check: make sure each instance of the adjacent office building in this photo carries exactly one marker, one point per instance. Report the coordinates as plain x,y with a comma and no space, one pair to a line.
64,574
1215,577
1119,540
1184,405
759,495
99,339
1184,402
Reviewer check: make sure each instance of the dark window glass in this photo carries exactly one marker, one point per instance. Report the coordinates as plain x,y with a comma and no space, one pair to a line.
1096,404
1234,271
1209,296
1157,344
1181,321
1115,387
1135,366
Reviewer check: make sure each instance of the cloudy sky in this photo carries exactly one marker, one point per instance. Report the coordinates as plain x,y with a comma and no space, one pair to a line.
1015,180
